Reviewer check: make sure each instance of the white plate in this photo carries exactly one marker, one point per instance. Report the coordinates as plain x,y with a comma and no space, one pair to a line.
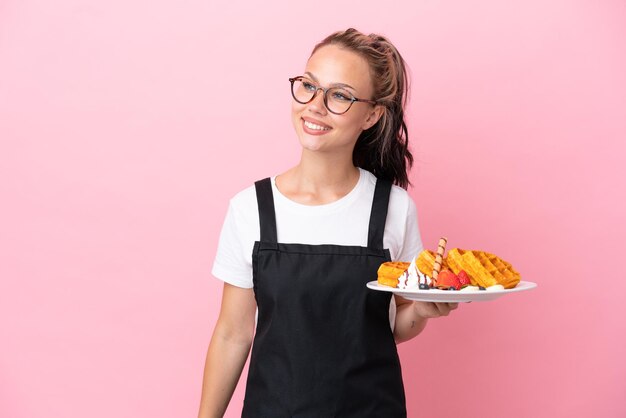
436,295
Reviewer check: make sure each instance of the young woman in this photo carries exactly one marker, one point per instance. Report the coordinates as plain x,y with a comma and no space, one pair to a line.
301,246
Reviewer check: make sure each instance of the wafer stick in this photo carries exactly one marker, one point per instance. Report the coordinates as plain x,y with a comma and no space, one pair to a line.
441,249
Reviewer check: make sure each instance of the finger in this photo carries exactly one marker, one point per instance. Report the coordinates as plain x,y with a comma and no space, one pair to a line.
433,311
453,306
442,307
427,309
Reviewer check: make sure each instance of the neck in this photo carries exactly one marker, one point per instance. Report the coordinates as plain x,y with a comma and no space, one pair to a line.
326,171
318,179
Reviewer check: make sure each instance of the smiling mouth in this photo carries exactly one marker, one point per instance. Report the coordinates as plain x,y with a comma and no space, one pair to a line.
315,127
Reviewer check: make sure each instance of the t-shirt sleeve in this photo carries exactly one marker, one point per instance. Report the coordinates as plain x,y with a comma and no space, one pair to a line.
412,242
231,263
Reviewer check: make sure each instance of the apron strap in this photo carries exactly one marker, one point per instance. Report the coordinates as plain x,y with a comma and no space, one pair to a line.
267,214
379,214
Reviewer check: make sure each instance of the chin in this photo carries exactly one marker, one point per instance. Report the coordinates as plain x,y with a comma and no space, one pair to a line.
311,144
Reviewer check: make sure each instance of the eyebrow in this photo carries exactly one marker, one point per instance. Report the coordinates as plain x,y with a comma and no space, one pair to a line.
332,85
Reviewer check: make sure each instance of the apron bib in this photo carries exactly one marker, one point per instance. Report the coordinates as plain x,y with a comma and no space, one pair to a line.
323,346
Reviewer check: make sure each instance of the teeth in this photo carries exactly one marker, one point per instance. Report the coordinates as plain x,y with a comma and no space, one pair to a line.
315,127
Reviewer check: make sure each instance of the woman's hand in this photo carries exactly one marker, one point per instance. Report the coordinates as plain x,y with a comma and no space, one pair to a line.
411,316
433,309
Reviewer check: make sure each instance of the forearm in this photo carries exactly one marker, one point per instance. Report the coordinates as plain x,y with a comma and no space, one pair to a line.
225,359
408,323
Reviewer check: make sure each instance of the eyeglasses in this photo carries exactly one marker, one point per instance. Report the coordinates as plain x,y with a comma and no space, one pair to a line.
336,99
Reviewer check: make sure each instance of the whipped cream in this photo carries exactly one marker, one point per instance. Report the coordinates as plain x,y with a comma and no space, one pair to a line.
412,278
495,287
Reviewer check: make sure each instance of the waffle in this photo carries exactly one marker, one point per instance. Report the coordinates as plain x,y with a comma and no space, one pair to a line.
425,262
484,269
389,272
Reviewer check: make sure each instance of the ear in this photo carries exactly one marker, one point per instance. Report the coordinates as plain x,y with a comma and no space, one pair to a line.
373,117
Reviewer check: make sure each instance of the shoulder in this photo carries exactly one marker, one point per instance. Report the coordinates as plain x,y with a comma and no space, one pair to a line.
244,198
400,199
402,236
400,202
243,210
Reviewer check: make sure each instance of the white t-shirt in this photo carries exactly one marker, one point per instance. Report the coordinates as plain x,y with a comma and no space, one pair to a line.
342,222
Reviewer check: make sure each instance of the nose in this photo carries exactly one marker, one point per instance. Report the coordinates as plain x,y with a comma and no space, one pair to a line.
317,103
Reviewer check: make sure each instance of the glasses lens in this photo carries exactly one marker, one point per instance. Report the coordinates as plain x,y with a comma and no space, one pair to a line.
303,90
339,100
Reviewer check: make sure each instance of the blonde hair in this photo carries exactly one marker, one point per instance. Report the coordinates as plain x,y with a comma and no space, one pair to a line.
383,148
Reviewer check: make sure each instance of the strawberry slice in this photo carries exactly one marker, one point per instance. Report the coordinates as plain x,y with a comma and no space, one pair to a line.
448,280
464,278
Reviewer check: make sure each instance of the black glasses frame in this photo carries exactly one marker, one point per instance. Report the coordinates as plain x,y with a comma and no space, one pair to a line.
324,91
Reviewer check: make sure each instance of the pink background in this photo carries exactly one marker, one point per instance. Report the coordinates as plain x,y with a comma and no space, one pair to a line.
125,127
